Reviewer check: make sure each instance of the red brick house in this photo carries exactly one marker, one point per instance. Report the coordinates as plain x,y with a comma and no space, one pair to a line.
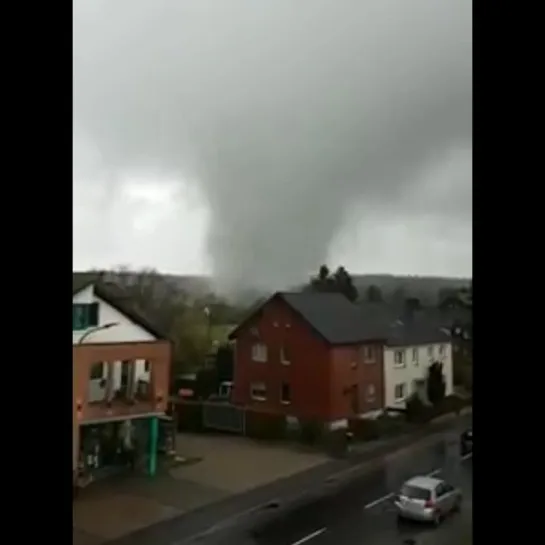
311,356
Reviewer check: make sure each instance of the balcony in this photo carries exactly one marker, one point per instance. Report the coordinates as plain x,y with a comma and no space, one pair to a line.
119,389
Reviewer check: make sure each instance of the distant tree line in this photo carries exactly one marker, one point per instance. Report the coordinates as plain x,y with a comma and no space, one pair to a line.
341,281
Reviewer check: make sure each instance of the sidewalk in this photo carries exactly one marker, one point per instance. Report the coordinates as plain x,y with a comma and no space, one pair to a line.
236,508
215,468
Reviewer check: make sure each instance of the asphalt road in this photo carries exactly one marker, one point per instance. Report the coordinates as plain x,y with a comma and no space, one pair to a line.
363,511
377,525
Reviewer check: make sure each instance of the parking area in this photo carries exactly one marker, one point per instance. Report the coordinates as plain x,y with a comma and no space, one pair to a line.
217,467
237,464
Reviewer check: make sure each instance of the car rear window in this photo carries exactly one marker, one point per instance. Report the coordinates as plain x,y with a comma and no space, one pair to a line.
416,493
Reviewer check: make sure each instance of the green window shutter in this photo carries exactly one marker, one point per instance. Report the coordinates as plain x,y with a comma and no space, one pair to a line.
92,318
79,317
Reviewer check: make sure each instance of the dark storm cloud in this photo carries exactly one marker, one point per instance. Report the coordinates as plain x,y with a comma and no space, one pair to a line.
285,112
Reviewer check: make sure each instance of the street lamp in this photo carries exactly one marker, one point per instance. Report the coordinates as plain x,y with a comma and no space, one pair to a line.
95,329
207,313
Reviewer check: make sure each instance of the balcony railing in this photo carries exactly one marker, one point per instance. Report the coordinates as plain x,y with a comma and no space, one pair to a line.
102,391
119,388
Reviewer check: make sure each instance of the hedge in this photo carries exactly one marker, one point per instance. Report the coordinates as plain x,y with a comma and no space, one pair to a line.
370,429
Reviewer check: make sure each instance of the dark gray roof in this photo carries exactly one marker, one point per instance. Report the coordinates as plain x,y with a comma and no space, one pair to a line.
417,332
339,321
334,317
424,326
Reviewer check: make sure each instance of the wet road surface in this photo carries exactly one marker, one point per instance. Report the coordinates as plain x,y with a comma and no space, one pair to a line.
378,525
363,511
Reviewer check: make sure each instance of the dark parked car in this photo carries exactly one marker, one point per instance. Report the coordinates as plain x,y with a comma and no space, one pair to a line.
466,442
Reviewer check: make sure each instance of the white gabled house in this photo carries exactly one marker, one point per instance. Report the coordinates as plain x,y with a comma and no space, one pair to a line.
408,354
110,324
100,317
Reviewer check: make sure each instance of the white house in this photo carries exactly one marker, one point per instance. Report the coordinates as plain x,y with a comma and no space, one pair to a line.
97,318
406,364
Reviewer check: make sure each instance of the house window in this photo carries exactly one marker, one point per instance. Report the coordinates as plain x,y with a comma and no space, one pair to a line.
259,352
97,388
285,356
258,391
146,366
128,376
415,356
400,392
368,354
430,350
285,393
441,349
399,357
370,393
97,371
84,316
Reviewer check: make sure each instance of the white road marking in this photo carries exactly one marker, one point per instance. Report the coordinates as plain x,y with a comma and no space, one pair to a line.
382,499
379,500
310,536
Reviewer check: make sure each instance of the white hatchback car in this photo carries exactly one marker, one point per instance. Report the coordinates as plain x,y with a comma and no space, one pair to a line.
427,499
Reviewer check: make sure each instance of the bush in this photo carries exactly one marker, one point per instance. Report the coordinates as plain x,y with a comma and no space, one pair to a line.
436,384
364,429
451,404
417,411
390,425
383,426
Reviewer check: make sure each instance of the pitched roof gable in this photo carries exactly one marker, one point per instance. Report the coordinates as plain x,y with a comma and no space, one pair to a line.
331,315
118,298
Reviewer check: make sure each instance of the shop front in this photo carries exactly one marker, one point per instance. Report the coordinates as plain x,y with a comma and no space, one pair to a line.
116,446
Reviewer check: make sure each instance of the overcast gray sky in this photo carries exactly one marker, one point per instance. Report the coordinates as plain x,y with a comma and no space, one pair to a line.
257,139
